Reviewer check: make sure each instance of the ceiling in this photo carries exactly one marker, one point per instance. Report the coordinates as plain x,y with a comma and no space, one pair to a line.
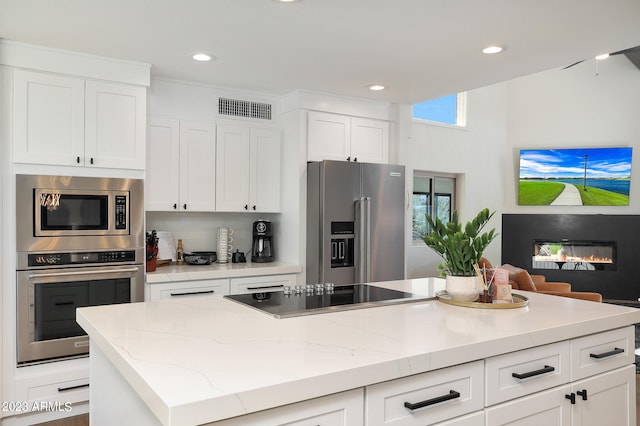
418,49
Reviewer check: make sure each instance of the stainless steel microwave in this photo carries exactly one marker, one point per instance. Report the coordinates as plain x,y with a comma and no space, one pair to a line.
78,213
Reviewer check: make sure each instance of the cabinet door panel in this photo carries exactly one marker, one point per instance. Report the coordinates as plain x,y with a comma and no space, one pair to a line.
48,116
232,168
610,399
163,153
197,166
329,136
265,170
369,140
115,125
548,408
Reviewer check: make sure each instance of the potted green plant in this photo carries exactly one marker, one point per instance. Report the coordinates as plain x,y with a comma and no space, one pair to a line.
461,249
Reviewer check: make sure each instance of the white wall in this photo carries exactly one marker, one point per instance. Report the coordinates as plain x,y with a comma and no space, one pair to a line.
477,154
575,108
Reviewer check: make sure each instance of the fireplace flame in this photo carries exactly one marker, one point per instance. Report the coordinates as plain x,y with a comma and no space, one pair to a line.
572,259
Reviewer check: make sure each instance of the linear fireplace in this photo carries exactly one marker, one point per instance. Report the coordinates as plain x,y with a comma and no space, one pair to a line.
574,255
596,253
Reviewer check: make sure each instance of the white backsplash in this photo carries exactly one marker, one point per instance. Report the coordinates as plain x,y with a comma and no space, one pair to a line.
198,231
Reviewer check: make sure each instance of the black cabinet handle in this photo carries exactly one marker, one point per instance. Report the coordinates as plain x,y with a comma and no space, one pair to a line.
451,395
63,303
91,160
616,351
190,293
175,206
78,160
355,159
546,369
184,206
349,158
254,208
583,394
571,397
246,207
86,385
265,287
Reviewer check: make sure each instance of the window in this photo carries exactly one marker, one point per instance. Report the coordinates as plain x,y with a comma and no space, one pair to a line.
434,196
449,110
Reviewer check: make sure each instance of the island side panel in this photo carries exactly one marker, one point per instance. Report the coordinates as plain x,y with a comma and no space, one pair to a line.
113,400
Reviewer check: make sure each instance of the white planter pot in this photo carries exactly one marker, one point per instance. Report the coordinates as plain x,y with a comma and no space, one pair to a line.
463,289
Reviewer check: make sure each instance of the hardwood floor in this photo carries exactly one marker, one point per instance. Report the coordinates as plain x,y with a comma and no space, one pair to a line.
83,420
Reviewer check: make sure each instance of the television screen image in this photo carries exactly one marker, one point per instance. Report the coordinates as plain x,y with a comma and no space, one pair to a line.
575,177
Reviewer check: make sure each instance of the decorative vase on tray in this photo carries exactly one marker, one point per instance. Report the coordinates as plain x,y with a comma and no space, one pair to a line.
461,250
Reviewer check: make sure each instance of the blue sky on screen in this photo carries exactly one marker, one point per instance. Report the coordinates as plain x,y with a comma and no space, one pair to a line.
569,163
442,110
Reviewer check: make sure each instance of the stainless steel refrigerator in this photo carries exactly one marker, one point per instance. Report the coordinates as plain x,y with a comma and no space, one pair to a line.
355,222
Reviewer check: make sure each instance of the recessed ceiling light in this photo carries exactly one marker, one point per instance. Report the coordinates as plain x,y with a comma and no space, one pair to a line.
601,57
202,57
492,49
376,87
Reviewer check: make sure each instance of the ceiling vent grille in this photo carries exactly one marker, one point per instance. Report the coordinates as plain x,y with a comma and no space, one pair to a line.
247,109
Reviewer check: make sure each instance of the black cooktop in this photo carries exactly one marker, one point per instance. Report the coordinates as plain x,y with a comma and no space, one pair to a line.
306,300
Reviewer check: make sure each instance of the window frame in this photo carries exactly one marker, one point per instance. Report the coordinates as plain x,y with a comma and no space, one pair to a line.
431,209
461,114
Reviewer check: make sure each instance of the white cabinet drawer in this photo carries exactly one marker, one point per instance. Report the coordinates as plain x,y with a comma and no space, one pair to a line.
340,409
520,373
261,284
591,355
436,396
187,289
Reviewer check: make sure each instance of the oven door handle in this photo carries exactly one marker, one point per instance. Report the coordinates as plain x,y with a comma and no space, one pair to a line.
72,273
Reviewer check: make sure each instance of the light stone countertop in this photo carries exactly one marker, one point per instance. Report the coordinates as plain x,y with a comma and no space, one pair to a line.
185,272
197,360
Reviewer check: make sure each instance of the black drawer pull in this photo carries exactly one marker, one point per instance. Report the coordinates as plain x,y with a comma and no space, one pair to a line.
616,351
86,385
571,397
265,287
546,369
63,303
190,293
451,395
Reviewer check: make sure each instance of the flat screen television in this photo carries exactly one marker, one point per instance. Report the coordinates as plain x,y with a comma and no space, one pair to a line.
575,177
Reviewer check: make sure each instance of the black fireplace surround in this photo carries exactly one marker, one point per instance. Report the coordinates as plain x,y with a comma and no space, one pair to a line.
523,236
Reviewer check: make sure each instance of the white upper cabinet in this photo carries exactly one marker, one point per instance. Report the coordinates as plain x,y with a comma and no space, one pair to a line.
115,121
341,137
70,121
48,117
247,169
180,166
265,170
162,183
197,166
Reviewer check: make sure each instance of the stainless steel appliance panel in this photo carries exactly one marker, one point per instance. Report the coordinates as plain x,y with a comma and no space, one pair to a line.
384,185
47,300
31,239
355,222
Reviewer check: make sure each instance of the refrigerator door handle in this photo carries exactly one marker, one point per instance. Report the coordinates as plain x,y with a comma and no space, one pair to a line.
363,215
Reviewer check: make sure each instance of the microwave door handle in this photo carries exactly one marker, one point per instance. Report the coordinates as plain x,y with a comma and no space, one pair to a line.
72,273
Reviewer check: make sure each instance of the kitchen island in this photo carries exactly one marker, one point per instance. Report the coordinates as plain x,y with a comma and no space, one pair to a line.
200,360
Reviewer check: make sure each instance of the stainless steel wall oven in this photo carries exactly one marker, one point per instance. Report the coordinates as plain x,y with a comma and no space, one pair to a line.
80,242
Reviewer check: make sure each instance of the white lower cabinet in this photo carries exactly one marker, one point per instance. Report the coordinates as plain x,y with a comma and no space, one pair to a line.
172,290
427,398
261,284
340,409
548,408
604,393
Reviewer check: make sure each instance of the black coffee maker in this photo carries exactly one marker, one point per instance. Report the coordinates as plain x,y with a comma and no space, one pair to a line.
262,250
